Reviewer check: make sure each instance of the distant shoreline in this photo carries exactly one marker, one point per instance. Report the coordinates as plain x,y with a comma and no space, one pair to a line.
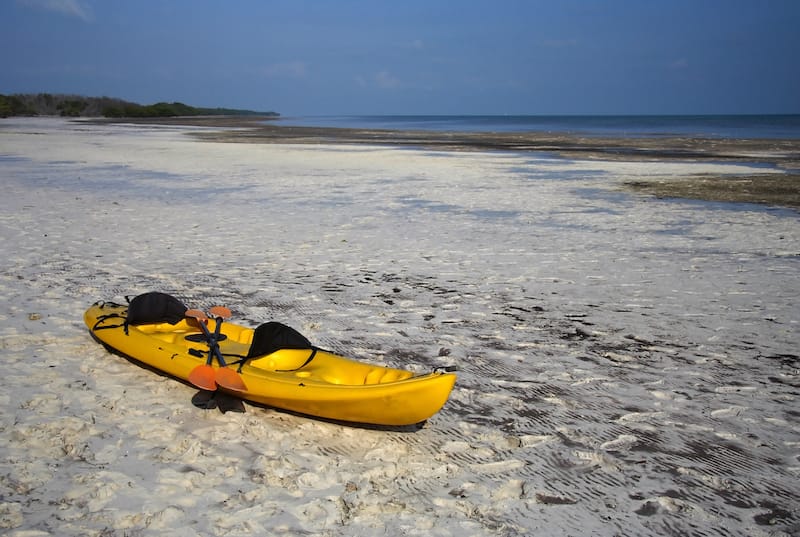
782,153
768,188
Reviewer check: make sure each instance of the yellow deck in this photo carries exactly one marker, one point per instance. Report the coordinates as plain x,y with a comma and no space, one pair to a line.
329,386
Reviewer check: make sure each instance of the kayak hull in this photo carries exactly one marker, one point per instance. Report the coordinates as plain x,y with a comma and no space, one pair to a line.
325,385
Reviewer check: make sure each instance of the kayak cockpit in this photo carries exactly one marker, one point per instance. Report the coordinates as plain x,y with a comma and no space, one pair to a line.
326,367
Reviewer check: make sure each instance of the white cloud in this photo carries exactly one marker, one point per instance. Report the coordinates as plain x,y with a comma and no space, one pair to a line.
680,63
286,70
71,8
560,43
386,80
382,79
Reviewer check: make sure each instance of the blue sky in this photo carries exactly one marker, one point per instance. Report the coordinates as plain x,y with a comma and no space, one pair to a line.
329,57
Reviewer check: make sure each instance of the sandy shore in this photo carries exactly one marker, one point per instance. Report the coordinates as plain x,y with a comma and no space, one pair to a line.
628,364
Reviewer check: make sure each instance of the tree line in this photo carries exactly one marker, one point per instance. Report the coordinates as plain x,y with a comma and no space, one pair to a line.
48,104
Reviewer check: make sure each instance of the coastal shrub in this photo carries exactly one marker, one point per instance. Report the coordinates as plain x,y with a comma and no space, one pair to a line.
5,106
13,105
75,105
72,107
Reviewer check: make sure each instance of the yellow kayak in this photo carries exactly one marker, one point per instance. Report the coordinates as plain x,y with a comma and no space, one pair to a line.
310,381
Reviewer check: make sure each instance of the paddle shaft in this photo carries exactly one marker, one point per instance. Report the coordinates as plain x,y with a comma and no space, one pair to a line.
211,339
202,375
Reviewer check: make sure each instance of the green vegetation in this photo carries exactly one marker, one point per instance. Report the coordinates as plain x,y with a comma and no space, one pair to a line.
12,105
47,104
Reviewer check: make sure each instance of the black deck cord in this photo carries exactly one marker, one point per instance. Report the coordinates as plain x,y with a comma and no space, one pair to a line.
104,318
125,325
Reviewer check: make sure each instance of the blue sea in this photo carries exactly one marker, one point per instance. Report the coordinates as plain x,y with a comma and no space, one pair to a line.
731,126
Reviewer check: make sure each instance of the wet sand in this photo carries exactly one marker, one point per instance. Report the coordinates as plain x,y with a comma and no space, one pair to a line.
770,189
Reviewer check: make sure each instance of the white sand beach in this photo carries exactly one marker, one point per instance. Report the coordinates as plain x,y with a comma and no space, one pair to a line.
627,365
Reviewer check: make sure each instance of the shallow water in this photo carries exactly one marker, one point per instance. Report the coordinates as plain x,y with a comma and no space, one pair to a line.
731,126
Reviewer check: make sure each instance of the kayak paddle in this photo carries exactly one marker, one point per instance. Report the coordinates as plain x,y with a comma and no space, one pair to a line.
204,376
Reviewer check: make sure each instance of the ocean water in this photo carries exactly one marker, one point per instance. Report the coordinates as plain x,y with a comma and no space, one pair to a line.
730,126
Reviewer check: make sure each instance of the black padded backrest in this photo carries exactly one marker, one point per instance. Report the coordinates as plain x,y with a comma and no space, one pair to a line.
155,307
272,336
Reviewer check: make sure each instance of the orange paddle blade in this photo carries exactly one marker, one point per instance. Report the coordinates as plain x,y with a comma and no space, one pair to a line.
196,314
230,380
203,376
220,311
